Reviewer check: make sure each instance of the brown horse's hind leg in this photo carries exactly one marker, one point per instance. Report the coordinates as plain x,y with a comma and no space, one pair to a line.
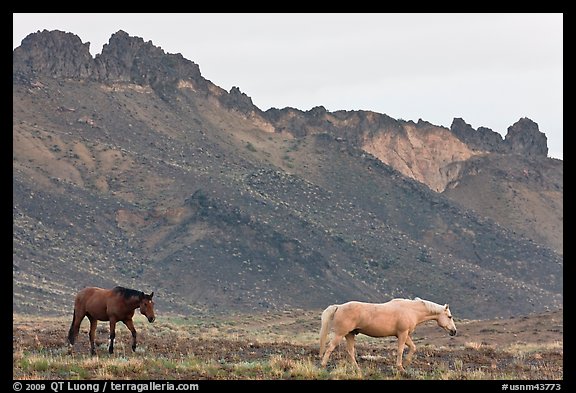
130,325
411,351
333,344
75,327
350,338
92,334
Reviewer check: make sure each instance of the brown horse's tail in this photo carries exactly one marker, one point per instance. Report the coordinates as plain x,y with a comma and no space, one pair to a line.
327,318
71,337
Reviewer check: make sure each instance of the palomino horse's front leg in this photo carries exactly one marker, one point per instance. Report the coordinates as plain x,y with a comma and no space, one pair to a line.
411,351
130,325
402,337
112,335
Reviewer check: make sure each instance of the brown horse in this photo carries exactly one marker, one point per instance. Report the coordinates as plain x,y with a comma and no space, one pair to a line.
398,317
114,305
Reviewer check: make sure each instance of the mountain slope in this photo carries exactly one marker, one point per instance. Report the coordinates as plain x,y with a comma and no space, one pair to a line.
130,168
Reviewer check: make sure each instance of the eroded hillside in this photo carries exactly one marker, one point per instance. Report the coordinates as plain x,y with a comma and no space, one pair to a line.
166,182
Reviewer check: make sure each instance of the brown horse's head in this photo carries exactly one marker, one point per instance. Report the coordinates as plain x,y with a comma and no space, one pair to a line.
147,307
446,321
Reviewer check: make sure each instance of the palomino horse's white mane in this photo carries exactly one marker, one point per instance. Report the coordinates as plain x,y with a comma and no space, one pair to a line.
434,308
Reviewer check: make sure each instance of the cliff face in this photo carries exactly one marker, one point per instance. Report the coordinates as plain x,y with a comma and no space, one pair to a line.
132,168
424,152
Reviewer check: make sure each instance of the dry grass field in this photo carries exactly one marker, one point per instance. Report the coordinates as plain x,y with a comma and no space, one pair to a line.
279,346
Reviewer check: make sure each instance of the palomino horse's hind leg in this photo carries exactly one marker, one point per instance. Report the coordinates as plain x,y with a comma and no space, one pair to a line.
333,344
411,351
92,334
350,339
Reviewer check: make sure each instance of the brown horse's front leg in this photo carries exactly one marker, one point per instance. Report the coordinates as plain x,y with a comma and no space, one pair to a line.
112,335
130,325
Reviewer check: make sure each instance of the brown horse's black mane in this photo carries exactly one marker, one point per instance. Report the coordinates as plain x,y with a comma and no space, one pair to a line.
127,293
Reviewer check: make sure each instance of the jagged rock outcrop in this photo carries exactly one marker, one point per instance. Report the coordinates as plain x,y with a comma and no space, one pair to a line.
55,53
130,59
239,101
124,59
351,126
525,138
483,139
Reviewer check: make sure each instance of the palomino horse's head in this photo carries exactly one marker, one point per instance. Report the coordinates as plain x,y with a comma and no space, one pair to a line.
147,307
446,322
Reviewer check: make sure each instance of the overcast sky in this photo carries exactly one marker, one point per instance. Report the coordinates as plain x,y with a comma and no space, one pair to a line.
489,69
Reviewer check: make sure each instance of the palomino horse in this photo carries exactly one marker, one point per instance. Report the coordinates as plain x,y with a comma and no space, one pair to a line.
398,317
114,305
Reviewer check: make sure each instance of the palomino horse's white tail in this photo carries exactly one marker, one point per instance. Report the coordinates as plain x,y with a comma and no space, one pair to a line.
327,317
